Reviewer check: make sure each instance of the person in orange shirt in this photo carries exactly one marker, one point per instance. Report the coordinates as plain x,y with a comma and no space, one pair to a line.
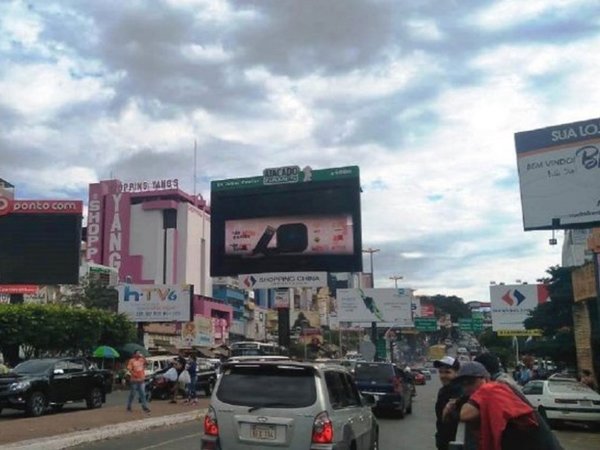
137,370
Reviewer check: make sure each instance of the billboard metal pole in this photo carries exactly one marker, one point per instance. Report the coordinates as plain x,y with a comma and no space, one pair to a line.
371,251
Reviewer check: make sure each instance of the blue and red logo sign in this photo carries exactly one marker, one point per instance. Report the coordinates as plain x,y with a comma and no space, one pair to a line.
515,298
249,281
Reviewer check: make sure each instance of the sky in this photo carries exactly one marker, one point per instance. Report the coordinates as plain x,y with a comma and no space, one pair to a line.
425,96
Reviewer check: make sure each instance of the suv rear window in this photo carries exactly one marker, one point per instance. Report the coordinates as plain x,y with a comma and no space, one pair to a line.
268,386
381,373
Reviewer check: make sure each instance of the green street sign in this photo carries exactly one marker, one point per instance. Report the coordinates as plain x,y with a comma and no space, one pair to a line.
470,325
286,175
426,325
381,348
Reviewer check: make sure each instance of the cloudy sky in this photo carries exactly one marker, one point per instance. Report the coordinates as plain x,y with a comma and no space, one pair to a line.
423,95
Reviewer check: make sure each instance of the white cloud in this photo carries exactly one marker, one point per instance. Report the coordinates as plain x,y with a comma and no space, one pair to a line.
424,101
507,13
425,30
40,90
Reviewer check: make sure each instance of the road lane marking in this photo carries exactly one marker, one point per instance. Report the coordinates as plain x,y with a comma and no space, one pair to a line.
183,438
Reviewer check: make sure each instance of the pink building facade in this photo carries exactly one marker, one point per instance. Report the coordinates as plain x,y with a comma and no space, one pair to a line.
151,232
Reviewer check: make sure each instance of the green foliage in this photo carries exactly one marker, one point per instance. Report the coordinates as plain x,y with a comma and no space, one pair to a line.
490,339
557,314
453,305
560,347
92,293
58,329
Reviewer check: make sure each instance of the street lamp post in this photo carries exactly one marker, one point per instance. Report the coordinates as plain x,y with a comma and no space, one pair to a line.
396,278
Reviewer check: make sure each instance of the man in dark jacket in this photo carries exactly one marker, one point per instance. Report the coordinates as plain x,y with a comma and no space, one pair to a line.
450,392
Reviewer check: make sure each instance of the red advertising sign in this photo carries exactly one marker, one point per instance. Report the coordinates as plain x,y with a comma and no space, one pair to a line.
40,206
18,289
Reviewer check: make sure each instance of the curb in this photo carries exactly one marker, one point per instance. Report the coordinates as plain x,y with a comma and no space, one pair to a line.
102,433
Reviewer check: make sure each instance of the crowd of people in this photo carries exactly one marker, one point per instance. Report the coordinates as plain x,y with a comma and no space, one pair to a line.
181,375
497,416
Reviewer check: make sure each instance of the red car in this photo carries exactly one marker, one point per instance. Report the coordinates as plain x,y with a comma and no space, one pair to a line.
419,378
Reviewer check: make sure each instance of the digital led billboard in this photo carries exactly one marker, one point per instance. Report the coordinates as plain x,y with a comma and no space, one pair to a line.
40,242
310,222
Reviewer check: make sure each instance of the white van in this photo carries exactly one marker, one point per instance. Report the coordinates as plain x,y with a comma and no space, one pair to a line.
156,363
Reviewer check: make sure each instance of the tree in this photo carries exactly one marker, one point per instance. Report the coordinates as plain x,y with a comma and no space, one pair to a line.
42,330
555,318
92,293
453,305
557,314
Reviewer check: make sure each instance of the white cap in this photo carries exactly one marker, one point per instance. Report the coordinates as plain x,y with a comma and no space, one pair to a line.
446,361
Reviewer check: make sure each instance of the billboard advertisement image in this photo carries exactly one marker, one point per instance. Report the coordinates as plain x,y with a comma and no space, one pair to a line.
155,303
308,235
558,174
511,304
309,222
40,241
391,306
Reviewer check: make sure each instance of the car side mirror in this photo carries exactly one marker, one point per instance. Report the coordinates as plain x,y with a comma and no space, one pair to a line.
369,400
59,372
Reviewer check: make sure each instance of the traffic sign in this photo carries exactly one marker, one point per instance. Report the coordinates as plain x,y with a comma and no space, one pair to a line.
470,325
426,324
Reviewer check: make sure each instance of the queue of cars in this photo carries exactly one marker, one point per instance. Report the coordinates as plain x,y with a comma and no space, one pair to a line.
325,405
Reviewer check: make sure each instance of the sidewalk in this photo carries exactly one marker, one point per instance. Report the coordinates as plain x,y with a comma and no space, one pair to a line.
163,413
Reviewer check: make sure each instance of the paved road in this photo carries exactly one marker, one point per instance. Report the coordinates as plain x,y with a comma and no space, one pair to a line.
415,432
116,398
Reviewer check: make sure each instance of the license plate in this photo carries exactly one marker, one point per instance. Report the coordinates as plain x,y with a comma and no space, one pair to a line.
585,402
263,432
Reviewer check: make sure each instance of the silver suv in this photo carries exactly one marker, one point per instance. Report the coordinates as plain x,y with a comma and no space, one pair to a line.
259,405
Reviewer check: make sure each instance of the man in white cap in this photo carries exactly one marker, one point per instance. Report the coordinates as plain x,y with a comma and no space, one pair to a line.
446,423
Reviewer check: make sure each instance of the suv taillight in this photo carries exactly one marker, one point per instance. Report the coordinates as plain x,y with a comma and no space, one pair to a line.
322,429
211,427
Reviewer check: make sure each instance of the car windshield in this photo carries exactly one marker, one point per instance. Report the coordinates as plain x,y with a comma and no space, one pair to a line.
569,387
268,386
381,373
33,366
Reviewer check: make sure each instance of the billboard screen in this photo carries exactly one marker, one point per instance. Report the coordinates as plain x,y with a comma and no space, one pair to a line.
391,306
511,304
40,242
155,303
558,174
311,222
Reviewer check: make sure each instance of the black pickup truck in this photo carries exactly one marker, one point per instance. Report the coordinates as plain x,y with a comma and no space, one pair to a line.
38,384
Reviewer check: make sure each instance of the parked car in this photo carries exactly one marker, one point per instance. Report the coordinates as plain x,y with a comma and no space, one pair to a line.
559,399
391,387
288,405
418,377
156,364
38,384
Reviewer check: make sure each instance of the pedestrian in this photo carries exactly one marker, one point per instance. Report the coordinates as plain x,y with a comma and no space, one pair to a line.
136,367
171,375
503,421
588,379
449,393
491,362
192,369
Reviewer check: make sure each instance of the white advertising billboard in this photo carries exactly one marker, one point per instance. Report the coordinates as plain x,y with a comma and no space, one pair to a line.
558,174
392,306
155,303
511,304
284,280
